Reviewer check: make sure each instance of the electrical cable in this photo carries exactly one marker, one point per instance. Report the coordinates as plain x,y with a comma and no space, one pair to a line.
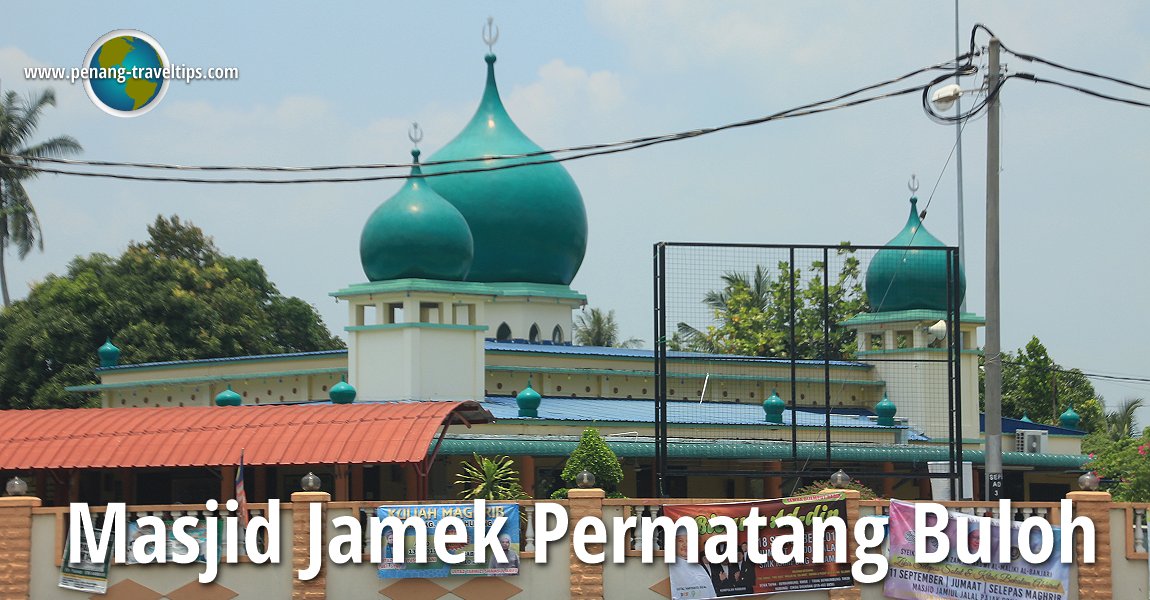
589,150
601,149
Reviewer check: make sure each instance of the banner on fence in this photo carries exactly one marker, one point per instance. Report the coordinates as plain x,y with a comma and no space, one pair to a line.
743,577
86,575
431,514
951,579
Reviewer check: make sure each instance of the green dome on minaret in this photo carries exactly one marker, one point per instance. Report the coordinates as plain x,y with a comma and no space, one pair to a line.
529,223
910,279
416,233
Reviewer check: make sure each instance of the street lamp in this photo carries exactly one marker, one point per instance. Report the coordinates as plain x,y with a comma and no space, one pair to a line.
943,99
310,482
585,479
16,487
839,480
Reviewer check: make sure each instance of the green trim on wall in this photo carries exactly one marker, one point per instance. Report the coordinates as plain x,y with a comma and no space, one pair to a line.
651,374
910,315
99,387
906,350
541,290
728,450
415,326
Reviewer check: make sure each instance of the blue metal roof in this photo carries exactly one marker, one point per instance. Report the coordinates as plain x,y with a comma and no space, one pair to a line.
1012,425
563,349
678,412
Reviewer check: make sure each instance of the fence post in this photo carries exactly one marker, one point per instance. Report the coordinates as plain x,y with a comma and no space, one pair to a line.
1094,580
316,588
586,580
852,501
16,545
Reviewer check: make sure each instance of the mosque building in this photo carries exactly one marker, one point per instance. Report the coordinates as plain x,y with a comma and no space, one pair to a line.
460,342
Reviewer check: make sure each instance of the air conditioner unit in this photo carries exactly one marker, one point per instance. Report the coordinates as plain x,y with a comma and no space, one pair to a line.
1030,441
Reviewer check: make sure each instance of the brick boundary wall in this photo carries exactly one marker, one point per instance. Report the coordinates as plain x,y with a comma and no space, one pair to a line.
16,545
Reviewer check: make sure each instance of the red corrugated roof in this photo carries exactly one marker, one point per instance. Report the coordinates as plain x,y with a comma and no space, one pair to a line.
397,432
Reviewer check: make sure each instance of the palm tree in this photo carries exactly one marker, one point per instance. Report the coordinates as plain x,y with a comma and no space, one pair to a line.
19,225
1120,424
600,329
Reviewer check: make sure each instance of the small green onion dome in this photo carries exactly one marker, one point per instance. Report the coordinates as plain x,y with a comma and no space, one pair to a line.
773,407
1069,419
229,397
529,223
885,409
1025,418
416,233
109,354
910,279
342,392
528,401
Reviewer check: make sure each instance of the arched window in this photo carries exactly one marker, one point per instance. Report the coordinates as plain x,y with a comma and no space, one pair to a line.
557,335
503,334
533,335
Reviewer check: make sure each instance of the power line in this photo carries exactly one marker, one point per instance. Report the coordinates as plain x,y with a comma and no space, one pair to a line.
574,152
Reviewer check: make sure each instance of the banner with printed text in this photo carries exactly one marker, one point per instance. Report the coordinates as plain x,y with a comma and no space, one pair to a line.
951,579
742,576
508,537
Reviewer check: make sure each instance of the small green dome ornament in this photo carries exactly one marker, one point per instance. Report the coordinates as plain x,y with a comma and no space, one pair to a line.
109,354
229,397
1025,418
774,407
901,279
1069,419
342,392
885,410
528,401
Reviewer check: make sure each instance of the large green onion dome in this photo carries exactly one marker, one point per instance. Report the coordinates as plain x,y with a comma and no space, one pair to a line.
416,233
899,279
529,223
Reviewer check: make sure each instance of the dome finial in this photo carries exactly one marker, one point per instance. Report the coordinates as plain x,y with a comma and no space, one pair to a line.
415,134
491,35
912,185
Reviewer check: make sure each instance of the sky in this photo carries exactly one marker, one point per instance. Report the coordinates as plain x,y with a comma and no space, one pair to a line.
341,84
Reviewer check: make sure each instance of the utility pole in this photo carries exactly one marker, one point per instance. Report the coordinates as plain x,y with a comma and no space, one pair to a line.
993,349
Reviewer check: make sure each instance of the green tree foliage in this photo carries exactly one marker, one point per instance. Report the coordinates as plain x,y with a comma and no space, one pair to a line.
593,454
19,225
598,328
752,312
172,297
490,479
1037,387
1124,466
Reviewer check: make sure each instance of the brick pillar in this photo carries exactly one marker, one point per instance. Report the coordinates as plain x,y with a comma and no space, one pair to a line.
315,589
586,580
16,546
1094,581
852,501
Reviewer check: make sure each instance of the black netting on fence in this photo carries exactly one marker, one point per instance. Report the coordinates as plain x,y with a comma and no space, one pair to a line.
804,349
